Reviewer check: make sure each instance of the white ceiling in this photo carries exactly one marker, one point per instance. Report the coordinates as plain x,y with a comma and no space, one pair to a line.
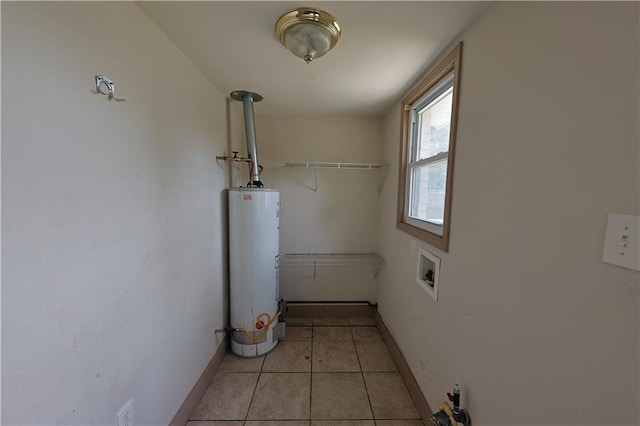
385,45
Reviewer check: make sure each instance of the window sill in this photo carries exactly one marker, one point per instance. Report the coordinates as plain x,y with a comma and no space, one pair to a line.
438,241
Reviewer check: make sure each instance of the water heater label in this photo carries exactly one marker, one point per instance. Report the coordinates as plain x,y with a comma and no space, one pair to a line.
248,197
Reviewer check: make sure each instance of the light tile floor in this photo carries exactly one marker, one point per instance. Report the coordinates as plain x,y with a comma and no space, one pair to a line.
328,372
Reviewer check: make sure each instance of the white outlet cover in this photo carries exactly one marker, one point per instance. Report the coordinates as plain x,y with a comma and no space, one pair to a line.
621,241
125,416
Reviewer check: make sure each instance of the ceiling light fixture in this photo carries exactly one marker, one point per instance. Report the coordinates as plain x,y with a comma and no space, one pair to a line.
308,33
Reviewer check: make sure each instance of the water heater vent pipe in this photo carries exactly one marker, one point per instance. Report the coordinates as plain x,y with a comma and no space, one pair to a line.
248,98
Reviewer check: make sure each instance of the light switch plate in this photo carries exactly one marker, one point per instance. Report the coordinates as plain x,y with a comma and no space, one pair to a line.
621,241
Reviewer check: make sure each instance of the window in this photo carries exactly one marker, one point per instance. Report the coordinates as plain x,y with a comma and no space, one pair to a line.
429,117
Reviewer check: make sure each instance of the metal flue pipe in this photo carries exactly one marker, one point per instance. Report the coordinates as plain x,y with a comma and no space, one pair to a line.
248,98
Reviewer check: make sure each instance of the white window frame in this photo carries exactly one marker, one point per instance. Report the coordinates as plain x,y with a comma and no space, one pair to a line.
436,81
413,162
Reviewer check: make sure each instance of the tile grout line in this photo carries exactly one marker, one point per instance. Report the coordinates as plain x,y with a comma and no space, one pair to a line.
311,373
373,417
246,416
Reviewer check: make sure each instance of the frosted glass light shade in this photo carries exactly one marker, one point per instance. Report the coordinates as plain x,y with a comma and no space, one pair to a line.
308,33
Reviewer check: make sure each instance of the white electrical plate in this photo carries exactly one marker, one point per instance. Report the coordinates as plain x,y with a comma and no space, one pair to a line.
621,241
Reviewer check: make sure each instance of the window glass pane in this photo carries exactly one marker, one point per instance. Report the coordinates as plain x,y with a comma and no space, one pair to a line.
428,185
434,124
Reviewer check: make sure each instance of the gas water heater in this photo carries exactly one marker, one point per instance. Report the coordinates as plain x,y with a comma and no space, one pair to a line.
253,252
254,243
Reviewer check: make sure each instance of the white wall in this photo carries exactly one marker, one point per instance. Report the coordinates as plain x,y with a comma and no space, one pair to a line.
530,321
113,248
342,216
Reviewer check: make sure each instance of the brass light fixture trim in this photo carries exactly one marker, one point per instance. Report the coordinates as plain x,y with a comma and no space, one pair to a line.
307,32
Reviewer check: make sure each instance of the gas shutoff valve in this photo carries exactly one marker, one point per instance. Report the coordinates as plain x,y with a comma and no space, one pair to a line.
448,416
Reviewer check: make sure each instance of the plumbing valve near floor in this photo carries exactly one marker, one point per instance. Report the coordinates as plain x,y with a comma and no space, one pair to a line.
446,416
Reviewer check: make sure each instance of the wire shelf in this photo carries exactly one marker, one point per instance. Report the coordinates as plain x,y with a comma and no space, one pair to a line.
336,259
330,165
333,259
383,168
